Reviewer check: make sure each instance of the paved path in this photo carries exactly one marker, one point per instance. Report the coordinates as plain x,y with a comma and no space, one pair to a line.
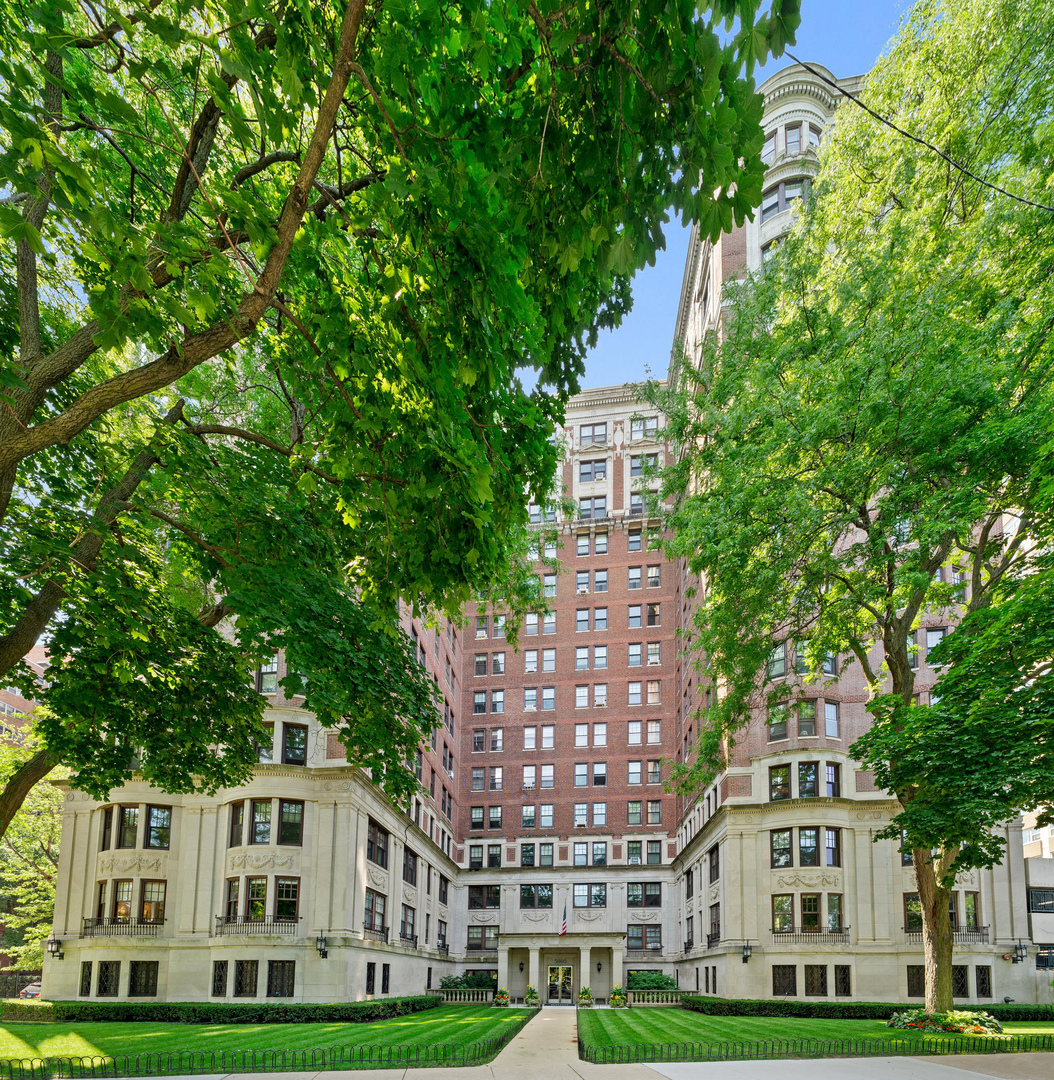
547,1049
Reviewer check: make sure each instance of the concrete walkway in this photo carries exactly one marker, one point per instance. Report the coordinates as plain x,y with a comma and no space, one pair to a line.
547,1049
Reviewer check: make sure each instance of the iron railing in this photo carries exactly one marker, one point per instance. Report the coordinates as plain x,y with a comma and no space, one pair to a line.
972,935
713,939
193,1062
798,935
374,934
122,927
409,942
227,925
649,951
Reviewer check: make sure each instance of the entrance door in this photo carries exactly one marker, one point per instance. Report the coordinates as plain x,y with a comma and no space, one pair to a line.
560,986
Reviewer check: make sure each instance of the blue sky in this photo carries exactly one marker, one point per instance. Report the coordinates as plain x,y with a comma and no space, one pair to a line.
846,36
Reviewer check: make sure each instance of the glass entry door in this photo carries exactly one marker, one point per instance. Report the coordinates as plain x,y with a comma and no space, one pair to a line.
560,986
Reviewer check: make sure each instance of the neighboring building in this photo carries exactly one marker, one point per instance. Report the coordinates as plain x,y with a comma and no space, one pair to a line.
1036,838
545,849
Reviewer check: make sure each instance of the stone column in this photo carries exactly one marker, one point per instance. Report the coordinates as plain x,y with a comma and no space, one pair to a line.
534,973
503,967
617,960
584,978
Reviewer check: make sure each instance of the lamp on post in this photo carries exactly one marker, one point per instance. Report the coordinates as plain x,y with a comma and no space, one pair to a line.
1020,952
320,944
747,950
55,948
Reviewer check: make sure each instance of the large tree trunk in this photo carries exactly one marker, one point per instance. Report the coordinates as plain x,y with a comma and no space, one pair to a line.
936,930
20,782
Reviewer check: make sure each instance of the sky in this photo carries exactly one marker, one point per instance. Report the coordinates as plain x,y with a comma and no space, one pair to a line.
846,36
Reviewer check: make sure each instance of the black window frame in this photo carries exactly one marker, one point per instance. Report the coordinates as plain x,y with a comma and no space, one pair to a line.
293,756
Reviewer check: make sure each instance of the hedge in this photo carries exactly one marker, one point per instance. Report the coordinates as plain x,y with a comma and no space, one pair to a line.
218,1012
843,1010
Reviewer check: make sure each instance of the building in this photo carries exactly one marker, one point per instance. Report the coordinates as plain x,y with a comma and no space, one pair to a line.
543,847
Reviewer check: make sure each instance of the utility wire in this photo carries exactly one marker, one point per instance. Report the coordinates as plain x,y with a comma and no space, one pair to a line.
915,138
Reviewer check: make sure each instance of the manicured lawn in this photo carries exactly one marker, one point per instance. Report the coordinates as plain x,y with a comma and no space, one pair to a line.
616,1027
447,1025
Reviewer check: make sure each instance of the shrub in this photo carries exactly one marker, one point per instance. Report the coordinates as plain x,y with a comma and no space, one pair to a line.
650,980
471,980
955,1021
841,1010
207,1012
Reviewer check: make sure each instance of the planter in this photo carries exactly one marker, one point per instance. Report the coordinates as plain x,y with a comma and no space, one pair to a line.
501,999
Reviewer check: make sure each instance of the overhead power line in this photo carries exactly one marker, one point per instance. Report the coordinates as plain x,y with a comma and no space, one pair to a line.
915,139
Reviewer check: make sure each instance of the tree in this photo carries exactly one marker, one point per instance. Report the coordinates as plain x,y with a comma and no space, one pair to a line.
876,414
277,267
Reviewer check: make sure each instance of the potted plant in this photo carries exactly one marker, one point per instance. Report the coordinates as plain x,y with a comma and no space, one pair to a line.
532,996
501,998
585,998
619,999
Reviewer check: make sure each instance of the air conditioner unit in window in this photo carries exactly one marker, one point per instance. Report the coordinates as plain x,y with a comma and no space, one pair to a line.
580,824
583,589
634,860
528,787
653,663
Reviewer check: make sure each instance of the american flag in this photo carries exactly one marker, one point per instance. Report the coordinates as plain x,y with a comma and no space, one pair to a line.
563,925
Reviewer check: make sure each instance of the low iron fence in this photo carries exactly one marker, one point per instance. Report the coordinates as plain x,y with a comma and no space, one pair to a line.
809,1048
194,1062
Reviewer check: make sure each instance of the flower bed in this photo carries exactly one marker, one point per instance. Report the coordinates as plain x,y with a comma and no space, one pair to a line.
956,1022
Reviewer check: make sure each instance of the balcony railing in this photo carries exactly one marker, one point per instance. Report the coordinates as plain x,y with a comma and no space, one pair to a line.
713,938
648,952
227,925
375,935
806,935
973,935
122,927
408,942
444,948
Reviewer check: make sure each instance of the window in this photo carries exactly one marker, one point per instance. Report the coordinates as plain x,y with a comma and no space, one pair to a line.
375,904
499,620
549,623
654,771
783,914
530,625
530,661
834,911
934,636
580,853
122,900
371,977
290,822
548,584
152,902
643,428
814,137
634,617
634,733
548,704
644,937
545,851
654,614
495,777
635,581
633,813
593,434
654,576
635,657
808,853
581,734
547,776
779,782
497,739
475,853
109,978
158,826
654,732
641,463
600,773
834,847
715,865
246,976
634,694
983,978
843,980
107,829
128,826
377,844
654,653
587,896
644,894
830,714
280,978
833,782
482,938
409,867
581,774
497,664
85,983
654,812
960,981
480,667
261,822
593,508
484,897
1041,901
294,744
493,817
530,701
536,896
912,913
780,197
971,910
287,899
816,980
777,723
231,913
777,666
494,855
267,676
600,817
793,137
654,696
808,780
806,718
581,699
478,778
600,542
530,774
780,844
768,148
600,618
256,899
527,850
588,471
830,665
633,849
916,980
219,978
548,659
530,737
600,656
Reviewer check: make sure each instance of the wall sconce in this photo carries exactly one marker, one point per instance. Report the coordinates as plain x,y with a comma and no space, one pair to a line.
521,965
320,944
55,948
599,966
747,950
1020,952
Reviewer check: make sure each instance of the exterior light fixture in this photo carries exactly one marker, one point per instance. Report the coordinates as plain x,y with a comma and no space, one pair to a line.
521,965
320,944
1020,952
55,948
599,966
747,950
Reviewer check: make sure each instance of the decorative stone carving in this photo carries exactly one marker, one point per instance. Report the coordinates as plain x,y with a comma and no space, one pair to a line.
126,864
409,894
377,877
869,815
259,861
646,916
812,881
586,916
482,917
715,892
536,916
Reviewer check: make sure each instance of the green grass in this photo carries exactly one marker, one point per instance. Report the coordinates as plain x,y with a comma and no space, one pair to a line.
450,1025
617,1027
